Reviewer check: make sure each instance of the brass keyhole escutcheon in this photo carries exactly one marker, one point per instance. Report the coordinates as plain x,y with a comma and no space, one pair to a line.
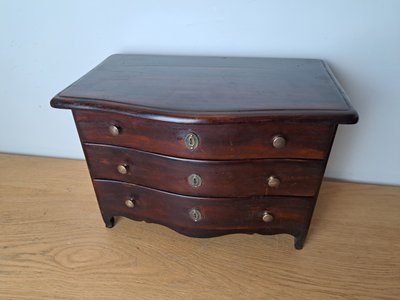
195,180
195,214
191,141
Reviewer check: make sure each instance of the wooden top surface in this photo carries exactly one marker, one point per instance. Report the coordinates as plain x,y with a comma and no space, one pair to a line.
53,245
209,87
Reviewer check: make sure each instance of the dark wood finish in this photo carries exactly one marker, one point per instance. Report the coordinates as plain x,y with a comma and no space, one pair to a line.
217,141
235,106
219,215
211,89
239,178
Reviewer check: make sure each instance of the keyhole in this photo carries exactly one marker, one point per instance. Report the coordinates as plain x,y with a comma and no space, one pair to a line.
195,214
195,180
191,141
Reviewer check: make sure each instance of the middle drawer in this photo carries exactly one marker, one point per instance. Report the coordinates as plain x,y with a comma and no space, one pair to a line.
208,178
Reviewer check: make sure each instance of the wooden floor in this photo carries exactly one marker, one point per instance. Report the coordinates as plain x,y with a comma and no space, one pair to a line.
53,245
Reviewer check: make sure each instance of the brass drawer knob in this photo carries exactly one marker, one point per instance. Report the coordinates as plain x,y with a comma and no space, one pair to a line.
122,168
273,182
130,203
191,141
278,142
195,214
267,217
114,130
195,180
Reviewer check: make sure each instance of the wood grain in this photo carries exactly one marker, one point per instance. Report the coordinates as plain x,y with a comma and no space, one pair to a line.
53,245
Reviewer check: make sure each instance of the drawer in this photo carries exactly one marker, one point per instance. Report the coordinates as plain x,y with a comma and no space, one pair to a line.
237,178
197,216
305,140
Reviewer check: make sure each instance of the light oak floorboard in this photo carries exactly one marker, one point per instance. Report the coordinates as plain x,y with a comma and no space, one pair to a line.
53,245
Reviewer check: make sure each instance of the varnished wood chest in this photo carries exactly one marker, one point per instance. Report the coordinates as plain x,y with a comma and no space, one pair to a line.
208,145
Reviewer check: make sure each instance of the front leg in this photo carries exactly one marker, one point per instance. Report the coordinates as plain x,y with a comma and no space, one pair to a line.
299,241
300,237
109,221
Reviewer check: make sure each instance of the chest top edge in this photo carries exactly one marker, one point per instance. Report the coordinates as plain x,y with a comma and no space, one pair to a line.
195,89
188,117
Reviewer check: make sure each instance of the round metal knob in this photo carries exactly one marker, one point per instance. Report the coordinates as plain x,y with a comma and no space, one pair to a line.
273,182
191,141
195,214
195,180
130,203
278,142
267,217
114,130
122,169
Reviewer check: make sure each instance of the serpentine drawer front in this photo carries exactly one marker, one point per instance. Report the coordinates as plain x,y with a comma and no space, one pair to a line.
238,178
208,145
198,216
216,141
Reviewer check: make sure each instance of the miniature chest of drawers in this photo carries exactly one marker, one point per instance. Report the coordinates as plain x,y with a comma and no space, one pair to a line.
208,145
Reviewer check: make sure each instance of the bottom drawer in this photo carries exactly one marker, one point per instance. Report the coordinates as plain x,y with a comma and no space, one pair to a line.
204,217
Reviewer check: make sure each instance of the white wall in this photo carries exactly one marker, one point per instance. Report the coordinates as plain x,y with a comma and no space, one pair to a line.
46,45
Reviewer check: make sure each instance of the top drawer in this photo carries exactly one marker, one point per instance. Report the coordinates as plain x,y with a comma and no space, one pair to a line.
208,141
